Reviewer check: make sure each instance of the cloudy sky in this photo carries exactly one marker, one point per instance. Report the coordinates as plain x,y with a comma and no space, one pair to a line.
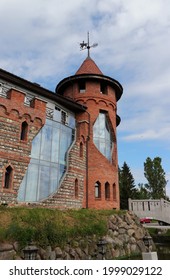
40,39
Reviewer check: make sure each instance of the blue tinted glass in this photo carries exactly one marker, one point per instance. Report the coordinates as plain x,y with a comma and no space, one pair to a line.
48,160
44,180
32,180
46,142
57,115
71,121
36,146
102,136
55,144
54,178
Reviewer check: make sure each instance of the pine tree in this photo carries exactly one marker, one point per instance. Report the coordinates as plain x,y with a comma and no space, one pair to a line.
155,176
126,185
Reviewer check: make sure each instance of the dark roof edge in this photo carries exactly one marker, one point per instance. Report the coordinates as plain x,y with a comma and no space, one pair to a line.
18,81
118,120
70,79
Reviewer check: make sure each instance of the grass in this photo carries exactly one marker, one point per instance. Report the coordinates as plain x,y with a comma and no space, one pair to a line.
50,226
154,232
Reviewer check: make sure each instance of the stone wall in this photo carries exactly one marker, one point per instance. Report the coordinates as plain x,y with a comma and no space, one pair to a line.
124,238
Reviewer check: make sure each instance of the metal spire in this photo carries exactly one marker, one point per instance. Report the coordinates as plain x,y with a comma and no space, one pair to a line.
84,46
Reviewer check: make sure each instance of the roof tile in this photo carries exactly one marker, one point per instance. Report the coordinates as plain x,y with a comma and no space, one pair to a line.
89,67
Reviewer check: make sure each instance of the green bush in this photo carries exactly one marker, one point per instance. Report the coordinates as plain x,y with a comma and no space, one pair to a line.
51,226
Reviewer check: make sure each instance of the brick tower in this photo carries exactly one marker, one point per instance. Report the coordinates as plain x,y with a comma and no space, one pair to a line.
96,132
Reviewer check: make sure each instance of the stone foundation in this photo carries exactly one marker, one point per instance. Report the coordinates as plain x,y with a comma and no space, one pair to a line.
124,238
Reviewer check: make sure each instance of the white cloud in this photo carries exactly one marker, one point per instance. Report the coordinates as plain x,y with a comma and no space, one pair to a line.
39,41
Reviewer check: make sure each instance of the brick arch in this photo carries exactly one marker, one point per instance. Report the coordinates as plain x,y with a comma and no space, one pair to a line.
100,101
92,99
82,101
27,117
112,105
15,113
3,109
38,121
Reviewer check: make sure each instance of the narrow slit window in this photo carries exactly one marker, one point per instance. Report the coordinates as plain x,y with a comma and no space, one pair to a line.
97,189
114,191
76,188
82,86
8,177
107,191
103,88
24,131
81,149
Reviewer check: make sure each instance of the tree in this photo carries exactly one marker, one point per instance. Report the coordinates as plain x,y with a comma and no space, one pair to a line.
142,192
126,186
155,176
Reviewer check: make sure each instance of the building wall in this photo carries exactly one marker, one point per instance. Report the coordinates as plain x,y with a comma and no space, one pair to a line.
15,152
99,169
86,165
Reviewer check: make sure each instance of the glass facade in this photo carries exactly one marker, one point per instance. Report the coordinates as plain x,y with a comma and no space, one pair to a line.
48,158
102,136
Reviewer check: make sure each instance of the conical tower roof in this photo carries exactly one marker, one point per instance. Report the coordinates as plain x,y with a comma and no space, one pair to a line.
89,70
89,67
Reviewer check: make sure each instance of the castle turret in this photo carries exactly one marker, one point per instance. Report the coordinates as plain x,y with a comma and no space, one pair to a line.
96,131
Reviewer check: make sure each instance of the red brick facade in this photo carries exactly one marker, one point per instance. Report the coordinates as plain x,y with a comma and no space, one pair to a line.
15,152
86,165
98,168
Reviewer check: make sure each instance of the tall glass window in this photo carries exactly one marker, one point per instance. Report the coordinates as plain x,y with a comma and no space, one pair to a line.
102,136
48,159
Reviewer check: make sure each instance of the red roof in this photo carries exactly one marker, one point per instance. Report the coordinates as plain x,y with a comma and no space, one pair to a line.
88,67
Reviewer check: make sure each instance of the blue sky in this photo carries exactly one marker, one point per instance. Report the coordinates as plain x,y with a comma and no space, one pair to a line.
40,42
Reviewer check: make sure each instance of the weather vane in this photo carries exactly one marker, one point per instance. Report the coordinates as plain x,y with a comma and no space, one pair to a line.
84,46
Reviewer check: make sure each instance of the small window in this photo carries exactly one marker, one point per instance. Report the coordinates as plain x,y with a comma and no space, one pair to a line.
97,189
24,131
114,191
81,149
103,88
82,86
76,188
107,191
8,177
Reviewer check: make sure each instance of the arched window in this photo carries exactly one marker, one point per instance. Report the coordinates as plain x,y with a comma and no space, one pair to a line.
114,191
81,149
107,190
76,189
97,189
8,177
24,131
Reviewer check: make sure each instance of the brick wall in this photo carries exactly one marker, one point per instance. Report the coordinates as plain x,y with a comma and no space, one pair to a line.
99,168
15,152
85,164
